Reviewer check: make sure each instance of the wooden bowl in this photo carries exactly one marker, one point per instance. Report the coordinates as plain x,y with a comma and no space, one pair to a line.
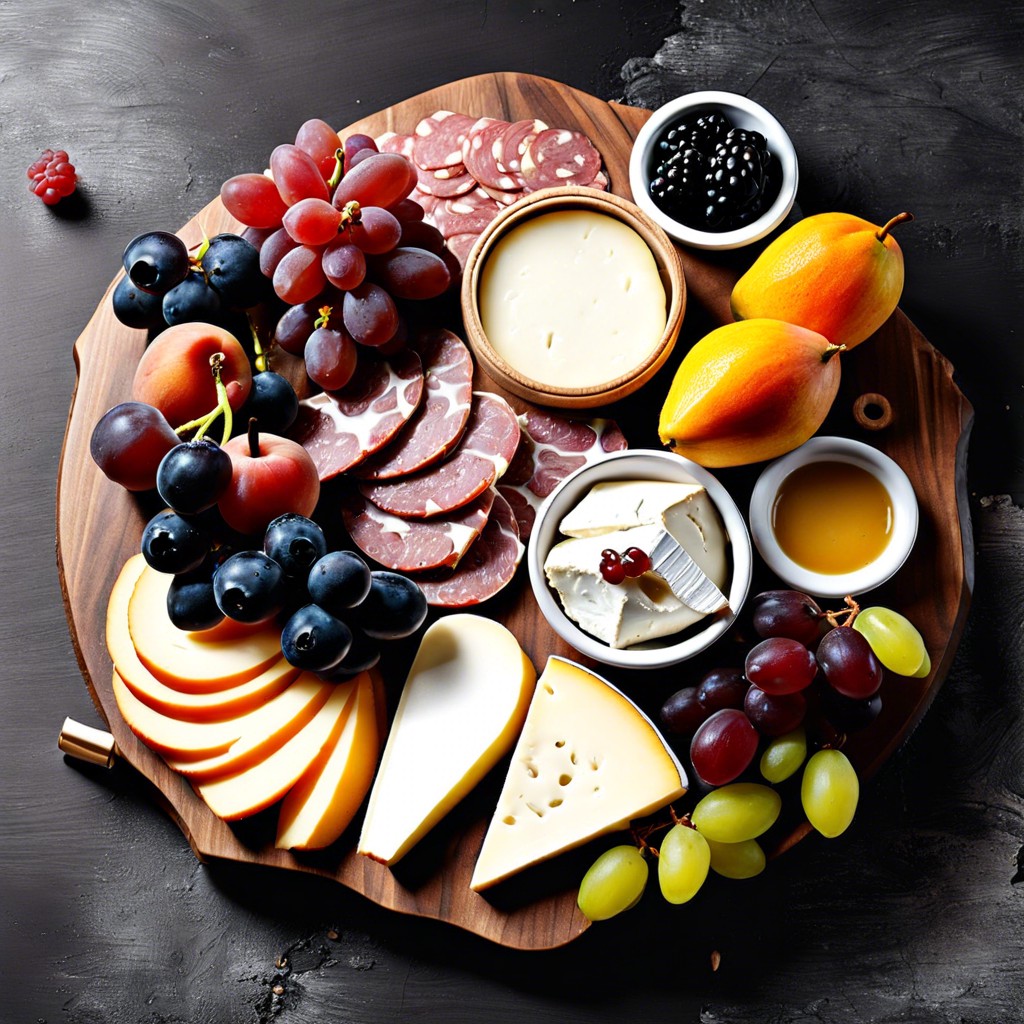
574,198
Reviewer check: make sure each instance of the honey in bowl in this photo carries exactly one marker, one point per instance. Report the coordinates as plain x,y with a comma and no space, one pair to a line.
832,517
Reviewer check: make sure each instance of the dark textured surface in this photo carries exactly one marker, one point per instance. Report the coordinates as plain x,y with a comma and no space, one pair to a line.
105,916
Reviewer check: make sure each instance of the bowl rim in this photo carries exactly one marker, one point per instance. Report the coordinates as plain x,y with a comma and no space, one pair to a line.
544,200
715,240
655,465
906,517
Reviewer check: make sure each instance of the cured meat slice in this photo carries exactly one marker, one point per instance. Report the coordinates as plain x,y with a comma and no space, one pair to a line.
486,569
516,140
339,429
560,156
413,545
482,456
503,198
438,424
481,153
468,214
444,185
390,142
550,448
439,139
459,246
600,182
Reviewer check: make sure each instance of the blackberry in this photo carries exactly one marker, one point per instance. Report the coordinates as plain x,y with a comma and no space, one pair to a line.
734,183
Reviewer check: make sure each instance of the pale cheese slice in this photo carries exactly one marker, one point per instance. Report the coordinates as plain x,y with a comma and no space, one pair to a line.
319,807
462,706
587,763
623,504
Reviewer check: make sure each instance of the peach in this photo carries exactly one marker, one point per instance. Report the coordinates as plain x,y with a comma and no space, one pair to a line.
174,373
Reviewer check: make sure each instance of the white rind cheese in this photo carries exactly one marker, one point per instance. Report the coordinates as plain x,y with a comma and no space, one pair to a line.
572,298
463,705
621,515
587,763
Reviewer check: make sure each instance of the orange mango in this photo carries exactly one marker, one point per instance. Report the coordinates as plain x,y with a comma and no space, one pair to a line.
832,273
749,391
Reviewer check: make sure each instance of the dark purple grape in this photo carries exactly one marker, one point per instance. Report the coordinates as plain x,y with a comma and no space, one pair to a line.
136,308
362,655
411,273
721,688
848,715
129,442
272,401
682,712
314,640
274,249
370,314
723,747
249,587
344,264
232,266
295,543
297,323
191,301
773,715
848,663
394,608
193,475
191,603
331,358
156,261
787,613
173,544
780,666
339,581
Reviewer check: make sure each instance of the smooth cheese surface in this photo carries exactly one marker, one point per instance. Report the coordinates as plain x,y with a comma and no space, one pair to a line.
572,298
641,609
462,706
588,762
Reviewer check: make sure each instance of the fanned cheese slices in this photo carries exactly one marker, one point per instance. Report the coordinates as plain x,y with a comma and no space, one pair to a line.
588,762
463,704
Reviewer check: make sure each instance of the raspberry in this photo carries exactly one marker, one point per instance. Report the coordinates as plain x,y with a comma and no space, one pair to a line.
52,176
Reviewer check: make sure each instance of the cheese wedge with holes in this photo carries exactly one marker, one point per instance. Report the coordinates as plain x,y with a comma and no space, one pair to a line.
463,704
264,783
320,806
587,763
196,662
217,705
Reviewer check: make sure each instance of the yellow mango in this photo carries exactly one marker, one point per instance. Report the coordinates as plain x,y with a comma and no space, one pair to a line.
749,391
833,273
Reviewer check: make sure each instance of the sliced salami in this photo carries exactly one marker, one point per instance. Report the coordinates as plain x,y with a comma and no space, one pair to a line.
515,141
500,197
468,214
415,545
550,448
438,424
339,429
559,156
482,456
390,142
481,153
600,182
459,246
439,139
444,185
486,569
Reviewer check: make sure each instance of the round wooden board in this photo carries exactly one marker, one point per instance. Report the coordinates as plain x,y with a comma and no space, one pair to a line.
99,526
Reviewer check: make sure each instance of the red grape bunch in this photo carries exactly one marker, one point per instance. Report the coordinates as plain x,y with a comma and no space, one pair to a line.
343,245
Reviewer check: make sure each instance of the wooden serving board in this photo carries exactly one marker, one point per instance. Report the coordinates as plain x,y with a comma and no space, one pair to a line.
99,526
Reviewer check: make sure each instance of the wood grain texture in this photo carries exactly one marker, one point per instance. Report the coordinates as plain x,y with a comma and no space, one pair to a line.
96,518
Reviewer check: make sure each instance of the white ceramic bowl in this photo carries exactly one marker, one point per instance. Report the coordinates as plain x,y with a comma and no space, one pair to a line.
638,464
835,449
742,113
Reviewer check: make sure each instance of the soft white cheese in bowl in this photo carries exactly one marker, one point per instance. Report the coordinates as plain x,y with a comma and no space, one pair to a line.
627,499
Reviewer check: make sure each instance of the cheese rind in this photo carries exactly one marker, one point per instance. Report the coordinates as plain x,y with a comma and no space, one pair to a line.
572,298
587,763
462,706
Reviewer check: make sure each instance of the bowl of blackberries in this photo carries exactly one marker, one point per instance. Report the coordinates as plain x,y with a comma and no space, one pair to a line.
715,170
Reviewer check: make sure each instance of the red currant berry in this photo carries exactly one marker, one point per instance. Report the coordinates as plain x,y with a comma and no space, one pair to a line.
636,562
52,176
612,569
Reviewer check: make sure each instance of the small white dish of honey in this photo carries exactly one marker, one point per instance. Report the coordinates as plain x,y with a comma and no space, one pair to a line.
834,517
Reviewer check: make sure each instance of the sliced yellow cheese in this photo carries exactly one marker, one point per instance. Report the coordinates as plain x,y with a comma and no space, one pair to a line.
319,807
197,662
461,709
588,762
217,705
265,782
261,731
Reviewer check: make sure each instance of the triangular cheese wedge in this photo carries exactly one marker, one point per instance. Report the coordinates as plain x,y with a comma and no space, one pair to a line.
215,706
264,783
460,711
319,807
588,762
197,662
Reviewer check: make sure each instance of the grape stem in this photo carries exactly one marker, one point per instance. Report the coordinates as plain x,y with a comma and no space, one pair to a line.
253,436
258,351
223,407
847,614
325,315
350,215
339,169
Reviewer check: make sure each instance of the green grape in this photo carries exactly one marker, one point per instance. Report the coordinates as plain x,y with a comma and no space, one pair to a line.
737,860
614,883
926,667
739,811
894,639
784,755
683,861
829,792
